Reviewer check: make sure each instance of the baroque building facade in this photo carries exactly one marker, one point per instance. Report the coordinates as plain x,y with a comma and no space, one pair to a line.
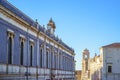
28,51
104,66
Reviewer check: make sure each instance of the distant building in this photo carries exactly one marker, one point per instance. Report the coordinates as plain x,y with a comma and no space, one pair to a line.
28,51
85,65
95,68
104,66
78,74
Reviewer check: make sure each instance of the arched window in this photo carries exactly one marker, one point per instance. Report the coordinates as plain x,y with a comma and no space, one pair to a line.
10,45
22,45
86,56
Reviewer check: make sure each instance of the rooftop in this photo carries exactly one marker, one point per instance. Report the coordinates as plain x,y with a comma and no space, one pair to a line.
113,45
33,23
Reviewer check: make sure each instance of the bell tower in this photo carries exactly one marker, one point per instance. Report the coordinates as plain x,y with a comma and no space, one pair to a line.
86,54
85,64
51,26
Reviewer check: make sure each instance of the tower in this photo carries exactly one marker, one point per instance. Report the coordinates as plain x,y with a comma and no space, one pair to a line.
85,64
51,26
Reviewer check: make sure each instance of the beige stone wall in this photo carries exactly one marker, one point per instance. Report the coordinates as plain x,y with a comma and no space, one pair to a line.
94,69
78,74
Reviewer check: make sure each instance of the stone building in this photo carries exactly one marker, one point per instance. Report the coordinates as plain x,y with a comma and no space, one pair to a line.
104,66
29,51
95,68
111,61
78,74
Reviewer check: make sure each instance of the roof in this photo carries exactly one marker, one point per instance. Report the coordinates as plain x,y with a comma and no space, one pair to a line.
113,45
17,12
33,23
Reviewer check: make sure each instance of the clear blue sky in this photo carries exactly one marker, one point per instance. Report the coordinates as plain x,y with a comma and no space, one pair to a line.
79,23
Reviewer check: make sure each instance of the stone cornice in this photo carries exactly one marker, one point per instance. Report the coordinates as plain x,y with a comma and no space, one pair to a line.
17,19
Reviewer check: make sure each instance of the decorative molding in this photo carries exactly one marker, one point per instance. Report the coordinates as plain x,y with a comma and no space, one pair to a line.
18,22
11,31
22,36
32,41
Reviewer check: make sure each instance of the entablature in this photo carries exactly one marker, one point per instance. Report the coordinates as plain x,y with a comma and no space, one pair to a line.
14,19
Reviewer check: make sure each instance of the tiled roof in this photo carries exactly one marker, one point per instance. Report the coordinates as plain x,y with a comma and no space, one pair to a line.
113,45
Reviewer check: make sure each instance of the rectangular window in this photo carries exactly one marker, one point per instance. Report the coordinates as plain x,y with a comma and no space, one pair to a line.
59,61
31,54
21,52
109,69
47,58
55,60
41,57
52,59
10,45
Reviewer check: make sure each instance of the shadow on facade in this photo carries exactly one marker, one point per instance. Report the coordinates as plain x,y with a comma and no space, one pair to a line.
97,74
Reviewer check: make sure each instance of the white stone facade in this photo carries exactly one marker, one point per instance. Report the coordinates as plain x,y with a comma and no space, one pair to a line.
111,61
